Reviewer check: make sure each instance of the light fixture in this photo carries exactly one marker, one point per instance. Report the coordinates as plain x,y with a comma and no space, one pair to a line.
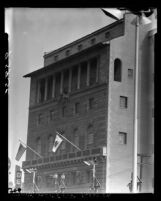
87,163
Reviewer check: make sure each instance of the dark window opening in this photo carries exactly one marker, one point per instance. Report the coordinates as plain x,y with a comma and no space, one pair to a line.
64,108
91,103
83,77
49,87
123,102
93,40
117,70
66,81
93,71
57,84
122,138
80,47
74,78
42,90
130,73
77,108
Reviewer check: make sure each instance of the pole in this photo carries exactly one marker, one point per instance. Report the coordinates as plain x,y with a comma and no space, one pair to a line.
31,149
34,172
134,180
69,141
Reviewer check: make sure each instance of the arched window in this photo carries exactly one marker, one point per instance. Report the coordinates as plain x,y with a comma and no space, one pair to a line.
90,134
50,143
117,70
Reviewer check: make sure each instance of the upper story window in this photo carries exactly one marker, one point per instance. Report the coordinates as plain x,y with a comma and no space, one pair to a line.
56,57
93,41
80,47
51,114
42,90
50,143
93,71
75,138
117,70
74,78
66,81
122,138
77,108
49,87
83,76
64,111
90,134
40,118
67,52
57,84
38,145
123,102
91,103
130,73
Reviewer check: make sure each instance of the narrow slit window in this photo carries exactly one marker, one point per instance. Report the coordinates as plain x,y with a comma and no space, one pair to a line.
117,70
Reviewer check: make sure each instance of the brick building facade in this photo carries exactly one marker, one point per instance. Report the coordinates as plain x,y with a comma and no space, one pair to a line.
86,92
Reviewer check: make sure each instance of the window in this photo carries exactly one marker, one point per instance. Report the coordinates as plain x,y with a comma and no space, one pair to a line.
57,84
80,47
122,138
49,87
117,70
77,108
75,138
50,143
93,40
64,108
74,78
107,35
42,90
90,134
83,77
51,114
123,102
67,52
56,57
130,73
39,120
73,177
38,146
66,81
91,103
93,71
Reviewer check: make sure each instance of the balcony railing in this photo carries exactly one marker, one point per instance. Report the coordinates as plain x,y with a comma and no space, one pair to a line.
64,157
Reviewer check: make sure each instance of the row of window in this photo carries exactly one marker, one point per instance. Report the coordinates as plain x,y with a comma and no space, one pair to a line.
80,46
77,109
79,140
69,80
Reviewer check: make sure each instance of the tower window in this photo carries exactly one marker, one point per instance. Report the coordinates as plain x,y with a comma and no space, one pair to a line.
117,70
123,102
122,138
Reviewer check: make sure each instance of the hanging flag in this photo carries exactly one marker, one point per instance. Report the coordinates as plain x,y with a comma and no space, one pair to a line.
57,142
113,13
20,152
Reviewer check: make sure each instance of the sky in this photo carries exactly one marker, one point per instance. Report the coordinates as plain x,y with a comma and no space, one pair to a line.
33,31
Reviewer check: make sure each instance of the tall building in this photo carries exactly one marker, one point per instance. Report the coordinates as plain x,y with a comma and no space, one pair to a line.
85,91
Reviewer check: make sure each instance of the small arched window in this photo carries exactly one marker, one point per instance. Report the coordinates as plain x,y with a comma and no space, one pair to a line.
117,70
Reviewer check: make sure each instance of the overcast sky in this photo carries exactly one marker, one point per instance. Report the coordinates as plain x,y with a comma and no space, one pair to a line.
33,31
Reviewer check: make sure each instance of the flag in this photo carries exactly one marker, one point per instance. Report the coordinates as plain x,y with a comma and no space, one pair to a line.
57,142
20,152
113,13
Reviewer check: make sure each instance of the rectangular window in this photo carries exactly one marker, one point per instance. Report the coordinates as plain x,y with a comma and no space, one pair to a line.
74,78
52,114
80,47
130,73
67,52
56,57
77,108
39,120
91,103
64,108
122,138
93,71
83,77
93,40
42,90
123,102
66,82
49,87
57,84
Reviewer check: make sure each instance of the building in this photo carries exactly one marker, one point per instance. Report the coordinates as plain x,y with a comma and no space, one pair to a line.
85,91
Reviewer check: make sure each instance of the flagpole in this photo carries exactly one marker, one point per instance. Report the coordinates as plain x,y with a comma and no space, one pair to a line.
134,180
31,149
68,141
